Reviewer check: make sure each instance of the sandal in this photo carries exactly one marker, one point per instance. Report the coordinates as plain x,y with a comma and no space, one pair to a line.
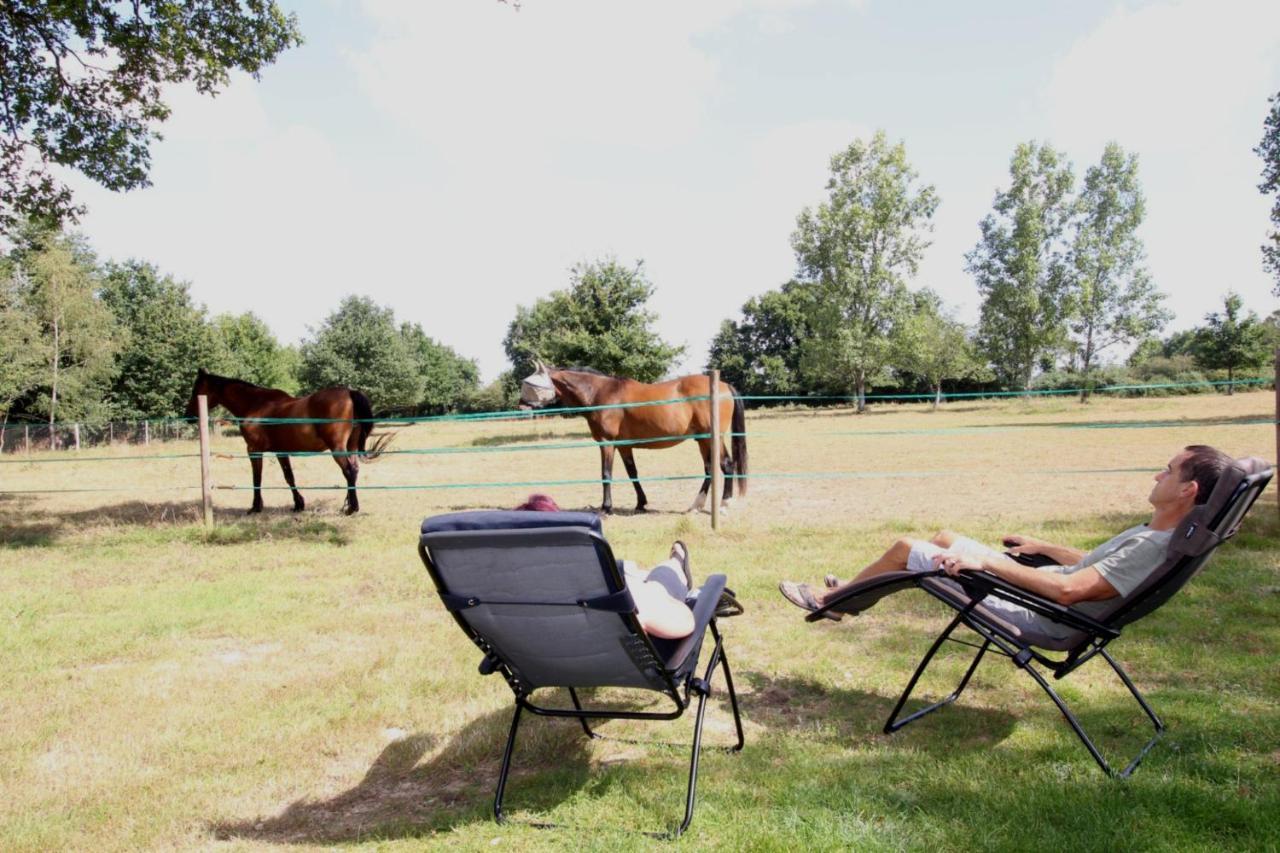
682,556
830,581
728,605
801,596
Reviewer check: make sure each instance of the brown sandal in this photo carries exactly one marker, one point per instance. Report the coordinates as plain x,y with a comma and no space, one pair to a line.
801,596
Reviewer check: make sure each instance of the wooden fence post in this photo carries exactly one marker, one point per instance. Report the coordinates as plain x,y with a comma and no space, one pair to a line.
146,433
206,483
716,474
76,430
26,438
1276,382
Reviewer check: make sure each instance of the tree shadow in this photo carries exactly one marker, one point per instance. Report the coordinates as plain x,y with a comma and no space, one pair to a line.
33,526
399,797
527,438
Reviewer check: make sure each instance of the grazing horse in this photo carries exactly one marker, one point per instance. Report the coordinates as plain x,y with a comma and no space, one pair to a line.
669,422
342,423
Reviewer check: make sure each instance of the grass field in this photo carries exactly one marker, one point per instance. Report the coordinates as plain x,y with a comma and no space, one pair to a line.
292,680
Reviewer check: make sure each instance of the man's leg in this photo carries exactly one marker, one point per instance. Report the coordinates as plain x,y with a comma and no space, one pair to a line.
892,560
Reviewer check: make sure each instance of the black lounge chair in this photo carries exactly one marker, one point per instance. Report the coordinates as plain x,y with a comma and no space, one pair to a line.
542,596
1193,541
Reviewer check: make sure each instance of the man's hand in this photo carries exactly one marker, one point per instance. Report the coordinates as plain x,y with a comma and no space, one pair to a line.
1019,543
953,564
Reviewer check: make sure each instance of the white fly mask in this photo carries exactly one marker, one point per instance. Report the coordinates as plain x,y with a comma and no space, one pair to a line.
536,390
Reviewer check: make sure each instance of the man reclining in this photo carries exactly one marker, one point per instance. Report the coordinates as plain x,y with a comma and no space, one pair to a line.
1085,580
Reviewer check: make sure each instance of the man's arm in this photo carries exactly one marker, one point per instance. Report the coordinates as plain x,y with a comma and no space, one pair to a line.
1084,585
1063,555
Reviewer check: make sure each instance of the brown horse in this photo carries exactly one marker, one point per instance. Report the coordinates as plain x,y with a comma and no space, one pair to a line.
343,420
669,422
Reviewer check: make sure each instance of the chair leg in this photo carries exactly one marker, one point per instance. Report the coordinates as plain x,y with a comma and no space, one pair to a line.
893,723
1079,730
585,727
733,695
506,765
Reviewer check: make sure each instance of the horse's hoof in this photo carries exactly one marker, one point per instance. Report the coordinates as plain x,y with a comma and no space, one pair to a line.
641,508
299,507
254,510
606,510
350,510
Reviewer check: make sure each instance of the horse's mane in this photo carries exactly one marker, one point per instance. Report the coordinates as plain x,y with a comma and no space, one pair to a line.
224,381
577,368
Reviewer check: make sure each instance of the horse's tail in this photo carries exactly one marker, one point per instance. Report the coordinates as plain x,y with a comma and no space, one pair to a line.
364,428
739,442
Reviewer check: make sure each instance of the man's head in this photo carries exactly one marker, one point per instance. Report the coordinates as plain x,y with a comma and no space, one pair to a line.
1189,478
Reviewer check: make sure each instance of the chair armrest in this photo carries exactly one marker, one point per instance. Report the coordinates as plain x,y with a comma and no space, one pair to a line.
985,583
704,610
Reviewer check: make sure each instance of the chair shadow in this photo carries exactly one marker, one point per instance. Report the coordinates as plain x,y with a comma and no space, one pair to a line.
399,797
31,526
781,703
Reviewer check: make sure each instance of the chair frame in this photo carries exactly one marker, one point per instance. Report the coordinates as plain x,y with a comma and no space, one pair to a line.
679,688
998,640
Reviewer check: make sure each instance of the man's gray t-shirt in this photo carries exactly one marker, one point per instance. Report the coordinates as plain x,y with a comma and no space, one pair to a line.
1124,561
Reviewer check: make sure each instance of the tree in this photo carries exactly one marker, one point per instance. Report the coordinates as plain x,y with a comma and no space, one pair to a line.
933,345
1113,300
78,333
1019,265
248,350
81,86
448,379
1230,340
165,338
599,321
20,345
359,345
857,249
1269,150
761,354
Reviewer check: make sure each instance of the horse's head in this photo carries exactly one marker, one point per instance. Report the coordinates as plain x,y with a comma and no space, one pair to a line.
201,386
538,390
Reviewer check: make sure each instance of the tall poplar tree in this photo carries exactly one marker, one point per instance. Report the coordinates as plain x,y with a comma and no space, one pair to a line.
1020,266
1113,300
1269,150
858,248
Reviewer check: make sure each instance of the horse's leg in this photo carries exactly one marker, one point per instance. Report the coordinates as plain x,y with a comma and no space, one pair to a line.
726,468
704,446
606,474
629,460
350,469
255,462
286,465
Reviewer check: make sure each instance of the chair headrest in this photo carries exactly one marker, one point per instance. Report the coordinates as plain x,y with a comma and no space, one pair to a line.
508,519
1195,534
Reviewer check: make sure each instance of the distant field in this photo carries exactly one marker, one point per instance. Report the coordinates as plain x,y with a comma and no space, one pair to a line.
290,679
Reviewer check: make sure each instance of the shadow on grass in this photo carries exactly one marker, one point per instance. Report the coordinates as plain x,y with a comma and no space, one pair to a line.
399,797
28,526
527,438
849,716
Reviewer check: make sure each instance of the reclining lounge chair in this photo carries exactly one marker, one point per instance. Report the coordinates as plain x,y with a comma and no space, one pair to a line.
1204,528
543,598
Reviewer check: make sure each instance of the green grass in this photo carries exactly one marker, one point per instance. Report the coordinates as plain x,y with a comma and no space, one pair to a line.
291,680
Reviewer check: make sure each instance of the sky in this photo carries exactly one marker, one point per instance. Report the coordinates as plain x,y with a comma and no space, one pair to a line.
454,159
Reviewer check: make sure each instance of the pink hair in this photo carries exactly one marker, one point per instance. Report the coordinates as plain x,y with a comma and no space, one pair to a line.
539,503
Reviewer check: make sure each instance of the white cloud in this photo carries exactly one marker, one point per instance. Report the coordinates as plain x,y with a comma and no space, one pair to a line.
1184,85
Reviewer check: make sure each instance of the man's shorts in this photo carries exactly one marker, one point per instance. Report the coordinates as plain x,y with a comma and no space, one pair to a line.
922,553
920,559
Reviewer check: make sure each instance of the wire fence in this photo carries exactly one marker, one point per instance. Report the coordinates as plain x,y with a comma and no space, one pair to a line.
68,437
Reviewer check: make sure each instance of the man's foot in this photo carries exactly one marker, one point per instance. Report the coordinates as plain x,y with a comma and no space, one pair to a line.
830,581
801,596
680,553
